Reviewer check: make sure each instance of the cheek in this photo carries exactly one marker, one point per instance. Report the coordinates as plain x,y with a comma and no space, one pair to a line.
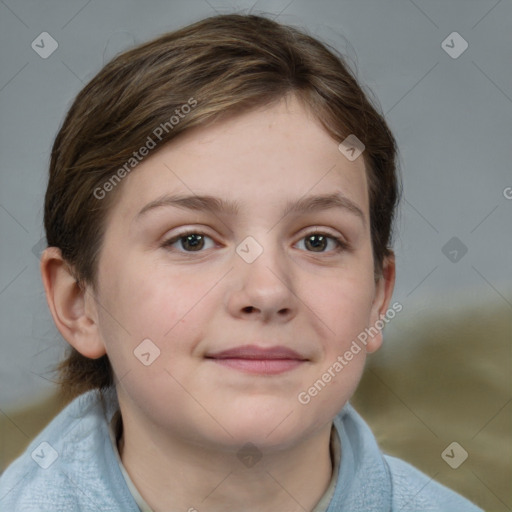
152,325
150,304
345,306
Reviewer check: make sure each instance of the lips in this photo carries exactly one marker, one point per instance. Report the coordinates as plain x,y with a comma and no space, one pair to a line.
255,352
259,360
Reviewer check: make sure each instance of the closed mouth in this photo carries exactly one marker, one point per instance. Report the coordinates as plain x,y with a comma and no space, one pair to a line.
259,360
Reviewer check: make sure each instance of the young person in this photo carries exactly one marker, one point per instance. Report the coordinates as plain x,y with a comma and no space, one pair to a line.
218,217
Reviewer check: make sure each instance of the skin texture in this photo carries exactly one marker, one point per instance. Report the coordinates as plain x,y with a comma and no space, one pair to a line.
185,416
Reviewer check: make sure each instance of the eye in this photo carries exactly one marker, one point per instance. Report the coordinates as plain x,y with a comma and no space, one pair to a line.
190,241
318,242
195,241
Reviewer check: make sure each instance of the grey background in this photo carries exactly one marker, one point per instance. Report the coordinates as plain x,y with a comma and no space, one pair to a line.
451,117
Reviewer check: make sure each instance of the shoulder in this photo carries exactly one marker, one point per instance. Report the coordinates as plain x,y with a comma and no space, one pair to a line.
371,480
68,466
414,491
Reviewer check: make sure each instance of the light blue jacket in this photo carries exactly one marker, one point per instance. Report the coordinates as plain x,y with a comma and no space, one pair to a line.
71,466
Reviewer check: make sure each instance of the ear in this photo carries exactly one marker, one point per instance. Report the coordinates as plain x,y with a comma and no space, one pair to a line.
384,285
72,307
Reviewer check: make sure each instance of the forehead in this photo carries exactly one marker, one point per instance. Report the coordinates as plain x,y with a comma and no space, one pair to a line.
260,158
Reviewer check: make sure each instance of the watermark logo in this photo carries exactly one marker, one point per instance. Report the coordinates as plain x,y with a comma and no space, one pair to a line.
44,45
249,249
146,352
44,455
454,45
454,249
249,455
454,455
39,247
351,147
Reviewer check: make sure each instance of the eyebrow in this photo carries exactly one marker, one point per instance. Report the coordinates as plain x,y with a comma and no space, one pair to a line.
218,205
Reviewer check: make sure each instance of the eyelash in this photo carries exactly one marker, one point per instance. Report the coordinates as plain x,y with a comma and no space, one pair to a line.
342,245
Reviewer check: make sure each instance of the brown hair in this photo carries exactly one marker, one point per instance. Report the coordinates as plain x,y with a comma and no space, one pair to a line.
223,65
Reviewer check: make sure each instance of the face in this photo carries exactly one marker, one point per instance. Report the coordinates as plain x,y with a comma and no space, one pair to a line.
247,306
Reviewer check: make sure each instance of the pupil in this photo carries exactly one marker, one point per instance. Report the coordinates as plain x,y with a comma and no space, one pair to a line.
189,239
196,241
319,243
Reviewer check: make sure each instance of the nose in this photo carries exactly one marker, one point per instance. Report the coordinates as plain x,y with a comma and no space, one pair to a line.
263,289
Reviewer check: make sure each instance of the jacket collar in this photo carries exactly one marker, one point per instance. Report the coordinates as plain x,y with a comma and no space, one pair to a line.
364,480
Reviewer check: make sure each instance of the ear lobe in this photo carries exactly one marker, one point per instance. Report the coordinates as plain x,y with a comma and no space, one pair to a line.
68,305
384,286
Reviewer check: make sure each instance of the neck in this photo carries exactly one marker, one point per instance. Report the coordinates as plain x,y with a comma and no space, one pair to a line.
174,475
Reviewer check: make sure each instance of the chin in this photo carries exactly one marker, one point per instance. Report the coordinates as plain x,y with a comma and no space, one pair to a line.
268,428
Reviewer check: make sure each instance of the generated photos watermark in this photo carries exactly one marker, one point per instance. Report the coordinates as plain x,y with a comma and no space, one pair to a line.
304,397
151,142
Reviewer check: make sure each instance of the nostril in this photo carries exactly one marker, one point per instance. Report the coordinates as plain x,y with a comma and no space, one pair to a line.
248,309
